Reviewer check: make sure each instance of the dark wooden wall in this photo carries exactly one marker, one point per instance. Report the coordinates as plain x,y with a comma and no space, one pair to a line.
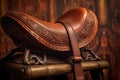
107,42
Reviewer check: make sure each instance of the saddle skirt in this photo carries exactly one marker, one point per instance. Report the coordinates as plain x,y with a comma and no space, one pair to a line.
32,32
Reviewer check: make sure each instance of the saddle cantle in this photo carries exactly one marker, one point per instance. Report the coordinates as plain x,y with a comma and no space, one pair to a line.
33,32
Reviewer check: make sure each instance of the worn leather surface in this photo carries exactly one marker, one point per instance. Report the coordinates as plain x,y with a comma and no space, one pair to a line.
29,31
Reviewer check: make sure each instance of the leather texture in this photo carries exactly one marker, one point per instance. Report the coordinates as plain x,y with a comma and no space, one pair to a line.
73,30
73,43
29,31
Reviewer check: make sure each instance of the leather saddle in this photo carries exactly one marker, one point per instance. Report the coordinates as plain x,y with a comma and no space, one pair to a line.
73,30
32,32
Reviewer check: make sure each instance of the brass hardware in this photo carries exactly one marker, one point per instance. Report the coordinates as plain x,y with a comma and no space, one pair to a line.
35,71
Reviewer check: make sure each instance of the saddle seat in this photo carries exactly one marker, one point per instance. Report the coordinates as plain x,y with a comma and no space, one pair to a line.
32,32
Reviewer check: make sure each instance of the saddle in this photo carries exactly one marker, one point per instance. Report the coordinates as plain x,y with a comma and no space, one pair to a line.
72,31
33,32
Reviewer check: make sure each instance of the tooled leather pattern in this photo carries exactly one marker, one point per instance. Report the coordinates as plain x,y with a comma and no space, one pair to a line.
55,38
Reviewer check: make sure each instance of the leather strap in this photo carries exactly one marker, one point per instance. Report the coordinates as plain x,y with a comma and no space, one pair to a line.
78,71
